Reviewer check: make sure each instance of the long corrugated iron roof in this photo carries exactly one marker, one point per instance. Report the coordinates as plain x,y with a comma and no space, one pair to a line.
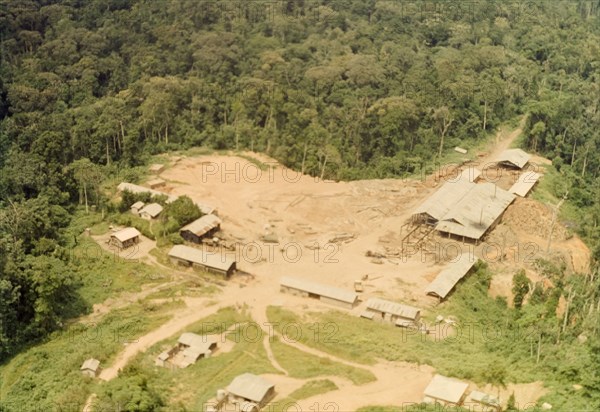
249,386
446,389
393,308
449,277
525,183
442,201
202,225
514,157
320,289
209,259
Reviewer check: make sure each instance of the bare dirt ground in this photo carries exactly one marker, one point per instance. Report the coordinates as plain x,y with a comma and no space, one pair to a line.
322,231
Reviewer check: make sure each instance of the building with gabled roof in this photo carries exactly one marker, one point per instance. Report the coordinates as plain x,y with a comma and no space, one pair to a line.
451,275
151,211
446,391
248,387
91,367
325,293
436,206
513,158
204,227
136,207
125,238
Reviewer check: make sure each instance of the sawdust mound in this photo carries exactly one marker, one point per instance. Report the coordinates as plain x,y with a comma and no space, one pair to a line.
533,218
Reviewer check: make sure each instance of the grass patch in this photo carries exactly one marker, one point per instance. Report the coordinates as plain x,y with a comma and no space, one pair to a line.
300,364
310,388
105,275
48,374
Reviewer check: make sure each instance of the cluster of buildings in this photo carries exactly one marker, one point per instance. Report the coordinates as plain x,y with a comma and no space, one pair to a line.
189,349
466,208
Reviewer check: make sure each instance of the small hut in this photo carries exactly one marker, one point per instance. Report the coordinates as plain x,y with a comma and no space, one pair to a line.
91,368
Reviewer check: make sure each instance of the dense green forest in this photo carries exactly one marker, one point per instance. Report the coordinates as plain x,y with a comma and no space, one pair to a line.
342,89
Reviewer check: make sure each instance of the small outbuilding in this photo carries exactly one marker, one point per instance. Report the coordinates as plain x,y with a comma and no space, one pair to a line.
392,312
136,207
325,293
151,211
204,227
125,238
91,368
445,391
250,390
213,262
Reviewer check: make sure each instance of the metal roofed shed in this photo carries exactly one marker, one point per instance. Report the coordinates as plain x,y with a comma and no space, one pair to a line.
451,275
210,261
151,211
91,367
251,388
325,293
446,391
206,226
514,158
136,207
125,238
525,183
392,311
478,211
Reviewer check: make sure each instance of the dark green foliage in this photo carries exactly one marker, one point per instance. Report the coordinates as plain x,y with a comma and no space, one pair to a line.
521,284
183,210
